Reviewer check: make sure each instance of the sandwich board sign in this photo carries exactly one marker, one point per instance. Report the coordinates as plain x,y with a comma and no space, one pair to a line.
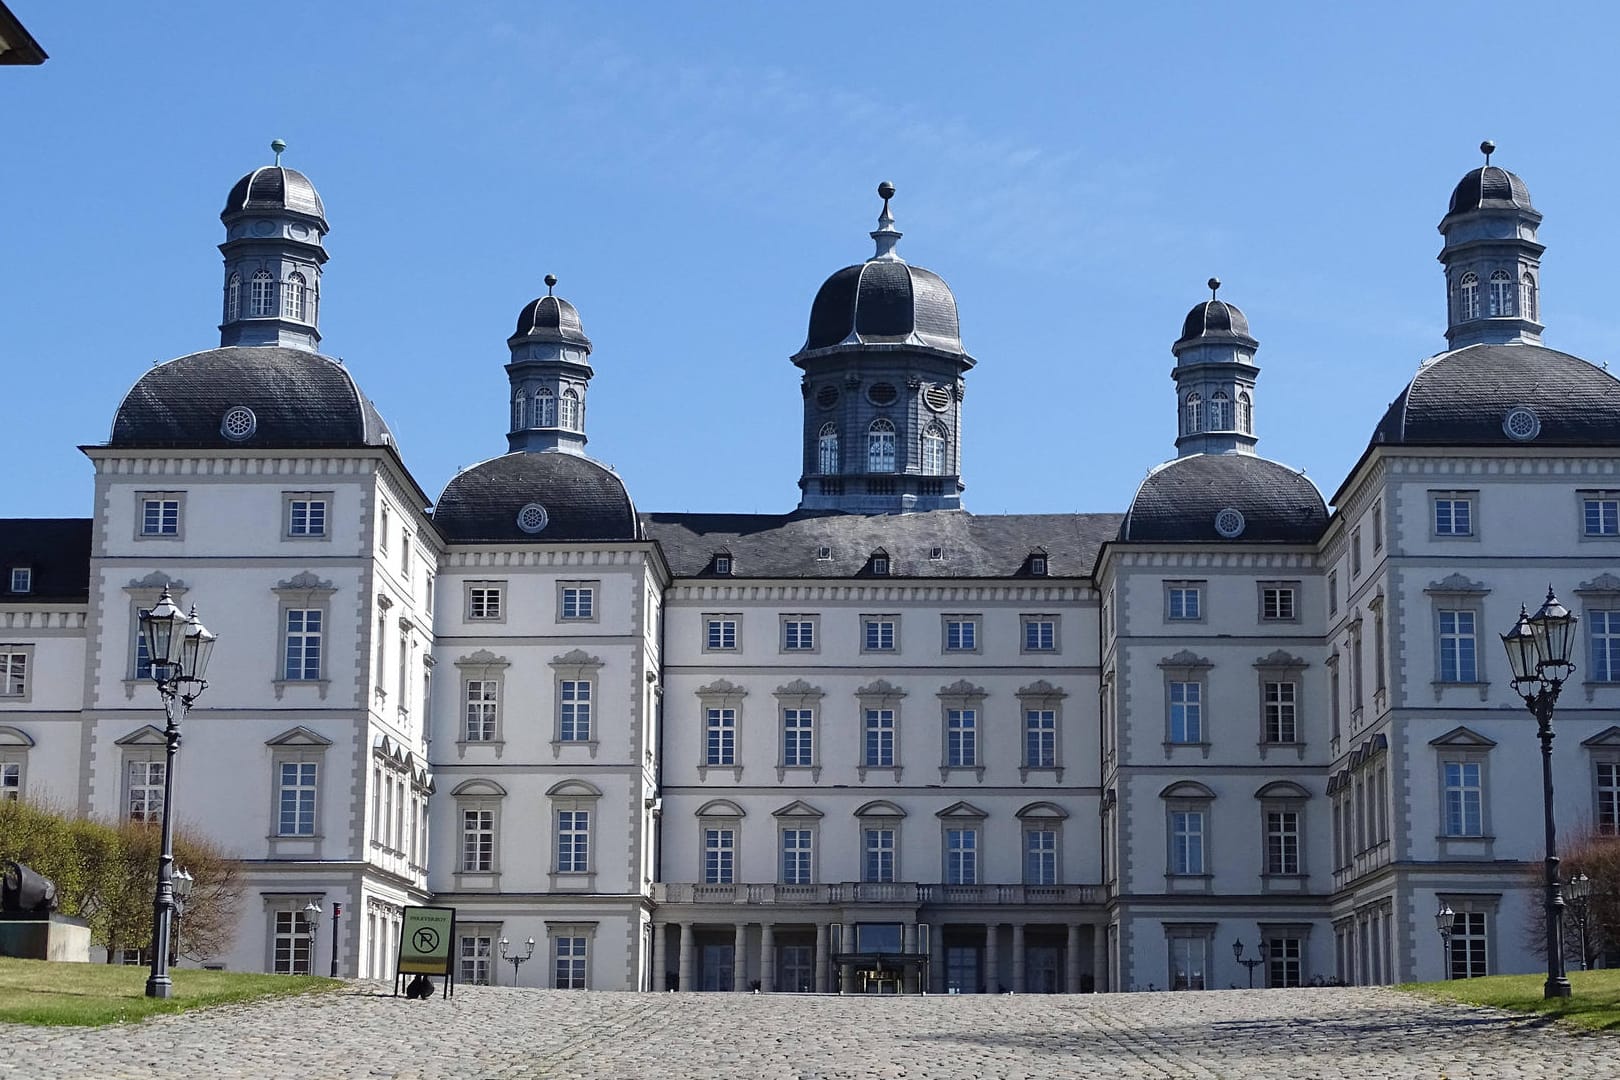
424,944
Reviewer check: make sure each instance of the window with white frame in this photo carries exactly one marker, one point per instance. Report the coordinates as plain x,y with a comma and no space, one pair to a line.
1464,797
827,449
719,855
933,450
1282,842
961,855
1040,633
385,516
1278,601
796,856
476,957
1192,414
14,670
569,417
233,297
520,410
292,945
1600,513
1040,738
798,633
1453,513
144,790
11,774
577,600
1220,412
573,841
878,741
1281,711
1040,855
22,579
1355,552
486,601
961,633
880,447
1189,961
961,738
483,709
720,632
261,295
574,710
719,736
1183,600
1187,841
1502,293
296,791
544,407
1458,645
160,515
570,956
1527,297
1470,945
1245,413
303,630
1186,711
1604,628
878,633
1285,960
1468,307
477,840
798,738
292,296
306,516
877,853
1608,797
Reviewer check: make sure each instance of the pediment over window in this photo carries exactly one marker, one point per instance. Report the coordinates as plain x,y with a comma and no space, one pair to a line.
1338,782
156,581
1039,810
962,688
1463,736
10,736
576,658
299,736
880,688
574,789
305,582
721,808
879,808
1282,789
1281,658
1041,688
1186,789
1374,745
721,688
478,787
1609,736
798,688
1605,583
142,736
962,810
483,658
1457,585
1186,658
798,808
385,746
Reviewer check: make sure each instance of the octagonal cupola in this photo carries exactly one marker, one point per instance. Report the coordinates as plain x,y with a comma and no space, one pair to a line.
550,371
1215,375
1492,260
274,230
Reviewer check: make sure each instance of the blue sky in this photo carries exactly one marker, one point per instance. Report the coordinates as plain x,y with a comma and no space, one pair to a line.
692,172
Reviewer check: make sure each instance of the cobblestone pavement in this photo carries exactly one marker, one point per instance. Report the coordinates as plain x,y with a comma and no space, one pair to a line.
1367,1034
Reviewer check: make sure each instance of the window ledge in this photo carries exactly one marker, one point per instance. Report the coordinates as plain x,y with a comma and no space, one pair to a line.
1592,686
1055,770
572,881
1171,747
862,770
1296,746
558,744
945,771
463,744
704,767
813,770
1441,686
281,685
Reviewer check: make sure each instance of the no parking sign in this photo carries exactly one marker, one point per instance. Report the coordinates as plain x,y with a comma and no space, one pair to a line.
424,943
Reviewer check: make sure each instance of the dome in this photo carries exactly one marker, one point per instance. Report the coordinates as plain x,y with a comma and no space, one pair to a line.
1205,498
276,189
1489,188
1215,319
1466,397
884,301
256,398
495,502
551,318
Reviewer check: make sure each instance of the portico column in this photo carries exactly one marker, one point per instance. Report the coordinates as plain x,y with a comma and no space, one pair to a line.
846,980
821,958
739,959
1071,961
660,979
1100,979
767,957
992,958
936,958
687,949
1018,958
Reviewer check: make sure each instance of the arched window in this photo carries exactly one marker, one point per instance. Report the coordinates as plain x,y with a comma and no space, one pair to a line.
933,450
545,408
880,447
1192,414
827,450
1469,300
570,410
292,296
520,410
1245,413
1527,297
262,295
1220,411
1501,293
233,298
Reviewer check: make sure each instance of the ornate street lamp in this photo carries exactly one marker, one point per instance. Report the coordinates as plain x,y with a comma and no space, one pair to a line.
1580,896
312,924
183,884
1538,649
179,647
514,959
1251,963
1444,920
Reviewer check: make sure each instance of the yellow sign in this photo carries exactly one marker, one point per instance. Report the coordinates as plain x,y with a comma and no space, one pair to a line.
424,940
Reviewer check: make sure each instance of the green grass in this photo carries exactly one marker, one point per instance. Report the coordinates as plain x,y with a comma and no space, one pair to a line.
88,995
1595,1004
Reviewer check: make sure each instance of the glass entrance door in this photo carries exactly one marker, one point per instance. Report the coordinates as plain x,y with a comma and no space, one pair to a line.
962,969
1043,969
796,969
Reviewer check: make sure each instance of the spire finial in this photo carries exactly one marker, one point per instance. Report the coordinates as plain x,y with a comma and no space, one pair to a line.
551,283
276,147
886,235
1214,287
1487,148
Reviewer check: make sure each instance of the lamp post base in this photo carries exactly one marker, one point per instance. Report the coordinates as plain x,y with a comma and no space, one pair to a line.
1556,988
160,986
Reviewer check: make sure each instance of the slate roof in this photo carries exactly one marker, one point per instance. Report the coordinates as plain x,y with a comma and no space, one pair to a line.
275,188
971,546
583,500
299,399
1462,398
551,318
884,302
57,550
1178,502
1216,319
1489,188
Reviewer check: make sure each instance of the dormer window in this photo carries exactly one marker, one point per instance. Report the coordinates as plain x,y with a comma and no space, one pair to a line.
879,563
824,553
936,554
722,563
262,295
22,579
1469,298
1501,293
1037,564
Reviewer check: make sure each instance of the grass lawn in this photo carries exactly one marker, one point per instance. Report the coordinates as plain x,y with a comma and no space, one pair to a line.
85,995
1595,1003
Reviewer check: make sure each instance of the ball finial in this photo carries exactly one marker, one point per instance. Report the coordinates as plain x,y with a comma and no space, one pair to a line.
1214,287
276,147
1487,148
885,191
551,283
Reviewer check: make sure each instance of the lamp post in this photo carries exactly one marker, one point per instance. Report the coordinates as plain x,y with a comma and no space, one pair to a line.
1538,649
1444,920
1252,962
337,913
179,647
1580,895
312,924
183,884
514,959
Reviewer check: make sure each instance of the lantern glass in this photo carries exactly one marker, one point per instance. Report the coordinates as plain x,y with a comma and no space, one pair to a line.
183,883
196,648
1444,918
1523,653
161,629
1237,949
1580,887
1554,626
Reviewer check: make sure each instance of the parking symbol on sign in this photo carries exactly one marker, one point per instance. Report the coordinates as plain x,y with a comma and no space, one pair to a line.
426,940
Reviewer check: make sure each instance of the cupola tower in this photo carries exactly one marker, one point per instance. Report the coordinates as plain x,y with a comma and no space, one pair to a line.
549,372
1492,259
274,226
1215,374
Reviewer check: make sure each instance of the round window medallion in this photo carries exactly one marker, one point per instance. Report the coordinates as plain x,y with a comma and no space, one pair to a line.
263,228
937,398
532,518
882,394
239,423
1229,523
827,396
1521,424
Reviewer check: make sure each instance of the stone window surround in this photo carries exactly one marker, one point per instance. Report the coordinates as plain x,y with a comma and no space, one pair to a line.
1186,666
144,593
1288,931
1041,817
977,622
1194,931
478,794
1601,749
815,632
144,744
483,666
961,695
798,694
880,814
467,588
295,902
595,587
799,815
720,814
1471,496
1261,587
574,796
960,817
1486,903
578,666
1462,745
1188,796
298,745
1199,587
733,617
570,929
720,694
1283,796
14,746
867,620
1581,496
1040,695
1057,633
1602,593
289,497
880,694
143,497
1280,666
303,592
1458,593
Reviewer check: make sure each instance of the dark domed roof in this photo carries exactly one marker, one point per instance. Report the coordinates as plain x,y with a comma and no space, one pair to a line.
1463,398
579,499
275,188
1489,188
884,301
1215,319
1189,500
296,398
551,318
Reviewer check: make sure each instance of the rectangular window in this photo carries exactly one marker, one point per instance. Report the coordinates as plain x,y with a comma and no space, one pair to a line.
1355,551
720,633
22,579
877,862
1285,962
1469,945
569,956
306,517
485,601
477,960
578,602
1277,603
1184,601
1333,592
877,635
291,945
1453,515
146,791
799,635
1187,842
1605,645
1040,738
1281,715
160,517
297,817
961,856
14,674
303,644
574,710
719,856
879,744
1601,513
962,738
483,704
10,781
1186,712
720,737
1040,857
1457,642
573,841
1188,957
478,841
1378,527
1464,799
1040,634
798,738
796,856
961,635
1282,842
1608,797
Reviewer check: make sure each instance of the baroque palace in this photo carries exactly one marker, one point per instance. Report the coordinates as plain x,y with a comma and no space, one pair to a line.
879,742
